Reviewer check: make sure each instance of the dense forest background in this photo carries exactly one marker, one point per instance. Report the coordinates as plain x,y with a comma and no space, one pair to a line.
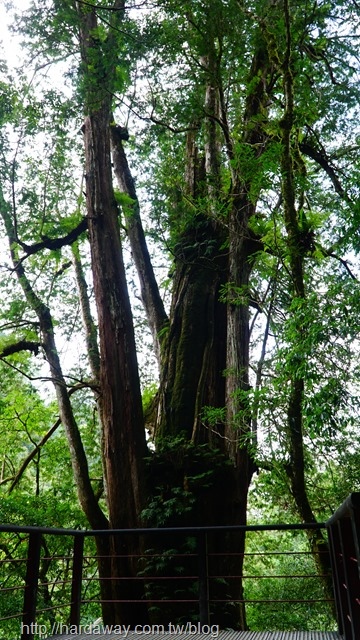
179,317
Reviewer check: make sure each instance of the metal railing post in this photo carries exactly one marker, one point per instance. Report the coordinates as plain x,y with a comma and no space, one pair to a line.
204,609
351,577
344,537
344,545
31,586
337,577
76,581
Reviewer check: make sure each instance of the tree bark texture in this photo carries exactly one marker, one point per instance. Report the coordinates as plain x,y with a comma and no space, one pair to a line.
120,398
193,356
123,433
206,336
150,295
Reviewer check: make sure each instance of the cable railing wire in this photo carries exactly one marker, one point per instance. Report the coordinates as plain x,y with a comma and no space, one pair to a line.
71,580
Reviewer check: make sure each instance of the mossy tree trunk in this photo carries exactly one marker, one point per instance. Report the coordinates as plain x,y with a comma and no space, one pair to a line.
193,355
205,354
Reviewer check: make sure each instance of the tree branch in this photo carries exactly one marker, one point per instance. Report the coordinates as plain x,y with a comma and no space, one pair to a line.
32,455
323,161
330,253
22,345
150,294
54,243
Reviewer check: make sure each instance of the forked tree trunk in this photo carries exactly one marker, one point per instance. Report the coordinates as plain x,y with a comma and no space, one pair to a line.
206,336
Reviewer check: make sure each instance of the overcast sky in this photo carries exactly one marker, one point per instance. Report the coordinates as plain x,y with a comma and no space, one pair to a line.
10,49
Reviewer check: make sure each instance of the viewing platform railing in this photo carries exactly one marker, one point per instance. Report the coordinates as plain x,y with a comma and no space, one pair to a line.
49,576
344,542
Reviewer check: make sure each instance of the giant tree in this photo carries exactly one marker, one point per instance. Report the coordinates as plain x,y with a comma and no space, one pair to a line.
245,130
233,151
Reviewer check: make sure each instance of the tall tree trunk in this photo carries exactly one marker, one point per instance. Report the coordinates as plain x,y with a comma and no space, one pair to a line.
124,444
120,397
91,337
238,422
193,356
150,295
194,347
205,335
296,467
242,247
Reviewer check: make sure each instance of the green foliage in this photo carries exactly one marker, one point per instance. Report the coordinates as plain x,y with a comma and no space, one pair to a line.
184,478
175,564
162,509
56,560
214,415
125,202
181,474
148,396
271,581
155,68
